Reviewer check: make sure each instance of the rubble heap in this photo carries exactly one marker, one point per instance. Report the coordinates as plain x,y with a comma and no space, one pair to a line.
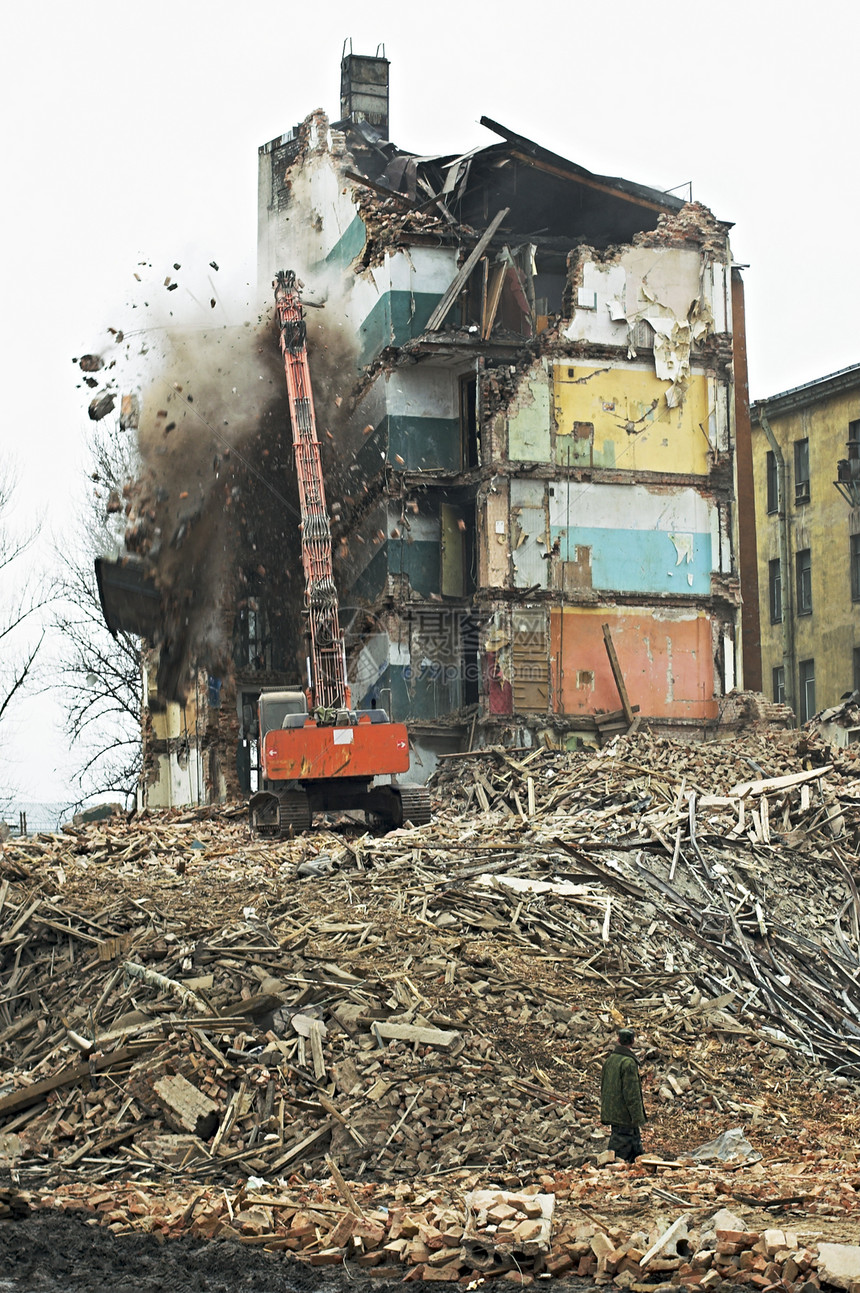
428,1010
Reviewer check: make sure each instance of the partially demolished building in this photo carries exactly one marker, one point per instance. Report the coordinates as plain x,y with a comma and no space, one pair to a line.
533,438
530,384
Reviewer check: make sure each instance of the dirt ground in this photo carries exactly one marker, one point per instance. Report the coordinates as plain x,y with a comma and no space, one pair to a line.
59,1253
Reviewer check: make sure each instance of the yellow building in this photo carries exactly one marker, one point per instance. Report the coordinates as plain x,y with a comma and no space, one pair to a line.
806,466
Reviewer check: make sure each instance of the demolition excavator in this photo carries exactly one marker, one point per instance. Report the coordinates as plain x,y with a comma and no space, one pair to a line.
317,753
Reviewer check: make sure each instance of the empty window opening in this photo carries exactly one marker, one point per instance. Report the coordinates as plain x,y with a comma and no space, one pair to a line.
804,582
807,690
775,589
801,471
772,483
779,684
855,567
469,452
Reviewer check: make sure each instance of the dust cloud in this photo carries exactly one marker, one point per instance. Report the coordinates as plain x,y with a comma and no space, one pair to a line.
213,513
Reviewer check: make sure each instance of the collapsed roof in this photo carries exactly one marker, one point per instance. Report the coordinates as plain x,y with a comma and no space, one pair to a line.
550,198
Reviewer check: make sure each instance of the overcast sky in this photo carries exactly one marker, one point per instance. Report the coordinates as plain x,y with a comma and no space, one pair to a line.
131,135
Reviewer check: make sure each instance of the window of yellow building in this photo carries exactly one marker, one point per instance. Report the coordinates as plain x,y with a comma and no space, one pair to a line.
775,590
804,581
801,471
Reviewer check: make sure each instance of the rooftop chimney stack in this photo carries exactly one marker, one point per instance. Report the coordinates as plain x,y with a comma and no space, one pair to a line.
364,88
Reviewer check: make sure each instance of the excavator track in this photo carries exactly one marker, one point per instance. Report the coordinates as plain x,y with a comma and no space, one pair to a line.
279,820
415,805
294,814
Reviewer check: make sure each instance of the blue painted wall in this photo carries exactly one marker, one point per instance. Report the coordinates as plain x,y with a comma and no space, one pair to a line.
638,561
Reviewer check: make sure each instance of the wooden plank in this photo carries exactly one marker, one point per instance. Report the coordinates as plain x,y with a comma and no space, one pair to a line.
21,921
769,784
439,315
342,1188
493,296
617,674
295,1150
229,1118
36,1091
317,1032
441,1038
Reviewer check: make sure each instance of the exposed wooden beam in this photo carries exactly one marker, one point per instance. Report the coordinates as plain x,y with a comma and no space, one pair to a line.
439,315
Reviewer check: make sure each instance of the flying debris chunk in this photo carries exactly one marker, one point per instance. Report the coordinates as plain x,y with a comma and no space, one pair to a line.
367,430
91,363
101,407
173,287
212,265
176,266
212,302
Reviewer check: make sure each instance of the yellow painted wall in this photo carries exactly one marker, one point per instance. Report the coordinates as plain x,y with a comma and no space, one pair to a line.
824,525
611,399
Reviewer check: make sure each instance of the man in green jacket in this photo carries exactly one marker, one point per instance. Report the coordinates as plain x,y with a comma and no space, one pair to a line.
621,1098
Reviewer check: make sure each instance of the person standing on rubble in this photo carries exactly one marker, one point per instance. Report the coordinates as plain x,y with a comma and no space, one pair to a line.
621,1104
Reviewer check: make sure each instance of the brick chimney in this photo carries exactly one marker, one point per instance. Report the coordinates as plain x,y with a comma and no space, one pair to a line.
364,88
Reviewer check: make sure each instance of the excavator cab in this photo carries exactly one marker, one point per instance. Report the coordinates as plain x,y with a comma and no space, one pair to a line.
282,709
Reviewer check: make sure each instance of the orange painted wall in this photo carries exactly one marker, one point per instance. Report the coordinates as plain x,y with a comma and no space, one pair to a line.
667,664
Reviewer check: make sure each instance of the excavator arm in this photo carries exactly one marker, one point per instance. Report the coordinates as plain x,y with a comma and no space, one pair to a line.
316,752
329,687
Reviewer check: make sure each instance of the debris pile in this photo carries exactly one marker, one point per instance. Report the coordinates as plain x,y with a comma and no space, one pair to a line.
630,1228
182,1001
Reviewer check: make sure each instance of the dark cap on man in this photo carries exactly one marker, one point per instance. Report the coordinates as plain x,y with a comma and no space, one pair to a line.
626,1036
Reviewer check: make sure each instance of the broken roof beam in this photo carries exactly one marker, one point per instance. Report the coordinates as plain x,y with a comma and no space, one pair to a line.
525,150
383,192
439,315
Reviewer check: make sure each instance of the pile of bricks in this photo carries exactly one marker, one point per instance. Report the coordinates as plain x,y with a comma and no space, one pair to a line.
459,1233
772,1259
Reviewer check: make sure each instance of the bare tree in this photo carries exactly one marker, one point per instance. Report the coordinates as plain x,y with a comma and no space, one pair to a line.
100,674
21,630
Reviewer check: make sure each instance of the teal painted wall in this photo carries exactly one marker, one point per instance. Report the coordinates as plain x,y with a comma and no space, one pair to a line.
349,245
413,694
370,458
423,443
408,443
396,318
370,582
420,560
